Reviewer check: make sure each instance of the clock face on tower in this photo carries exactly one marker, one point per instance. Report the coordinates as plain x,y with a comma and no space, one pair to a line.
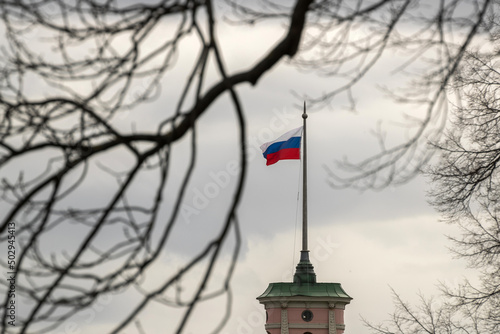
307,315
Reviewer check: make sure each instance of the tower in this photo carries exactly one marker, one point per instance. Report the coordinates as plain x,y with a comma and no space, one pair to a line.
304,306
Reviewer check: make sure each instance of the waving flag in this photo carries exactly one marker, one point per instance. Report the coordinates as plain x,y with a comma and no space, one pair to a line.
285,147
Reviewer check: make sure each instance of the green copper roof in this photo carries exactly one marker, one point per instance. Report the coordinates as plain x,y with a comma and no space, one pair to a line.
285,289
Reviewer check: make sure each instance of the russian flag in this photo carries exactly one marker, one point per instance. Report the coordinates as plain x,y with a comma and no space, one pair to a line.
285,147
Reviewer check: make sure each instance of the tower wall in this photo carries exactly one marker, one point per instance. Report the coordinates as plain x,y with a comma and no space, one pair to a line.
287,316
304,306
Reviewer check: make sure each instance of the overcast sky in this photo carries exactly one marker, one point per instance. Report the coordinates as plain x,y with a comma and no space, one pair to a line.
367,241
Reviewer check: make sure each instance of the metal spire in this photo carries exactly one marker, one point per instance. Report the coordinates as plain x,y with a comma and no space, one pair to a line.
304,184
304,272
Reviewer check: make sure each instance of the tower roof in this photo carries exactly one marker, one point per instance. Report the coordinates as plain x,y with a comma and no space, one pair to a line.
289,289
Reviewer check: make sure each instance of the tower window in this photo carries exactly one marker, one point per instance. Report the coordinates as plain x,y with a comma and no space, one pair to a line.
307,315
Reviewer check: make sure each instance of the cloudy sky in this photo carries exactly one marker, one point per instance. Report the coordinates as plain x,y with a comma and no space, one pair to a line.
368,241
